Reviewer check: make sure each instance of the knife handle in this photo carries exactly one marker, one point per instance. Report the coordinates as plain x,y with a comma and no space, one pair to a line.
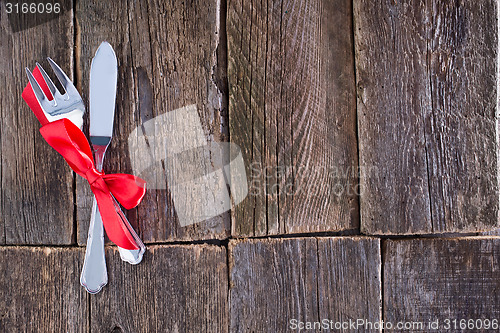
94,273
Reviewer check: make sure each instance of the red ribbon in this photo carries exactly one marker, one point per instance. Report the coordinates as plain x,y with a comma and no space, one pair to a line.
67,139
29,97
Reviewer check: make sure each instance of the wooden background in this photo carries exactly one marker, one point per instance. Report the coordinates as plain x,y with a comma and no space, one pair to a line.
369,130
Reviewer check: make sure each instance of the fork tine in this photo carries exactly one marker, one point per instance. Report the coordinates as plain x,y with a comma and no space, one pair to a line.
63,78
40,96
47,79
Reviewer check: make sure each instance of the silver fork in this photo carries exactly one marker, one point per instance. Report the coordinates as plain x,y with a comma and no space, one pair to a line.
70,105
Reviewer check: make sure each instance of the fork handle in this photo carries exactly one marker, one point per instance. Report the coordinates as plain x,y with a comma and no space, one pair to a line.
94,274
133,257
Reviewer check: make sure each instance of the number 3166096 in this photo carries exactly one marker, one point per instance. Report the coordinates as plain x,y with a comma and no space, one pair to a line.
33,8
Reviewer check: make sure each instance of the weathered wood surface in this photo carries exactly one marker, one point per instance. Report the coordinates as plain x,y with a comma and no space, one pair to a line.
168,57
36,200
308,279
292,112
41,291
426,88
429,279
426,80
176,288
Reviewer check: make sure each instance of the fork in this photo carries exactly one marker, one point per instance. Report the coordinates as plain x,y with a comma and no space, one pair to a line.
70,105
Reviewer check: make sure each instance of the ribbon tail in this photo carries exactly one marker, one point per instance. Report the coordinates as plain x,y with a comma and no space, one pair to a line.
30,99
115,228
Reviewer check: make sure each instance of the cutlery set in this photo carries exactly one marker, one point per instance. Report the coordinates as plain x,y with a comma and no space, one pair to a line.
62,118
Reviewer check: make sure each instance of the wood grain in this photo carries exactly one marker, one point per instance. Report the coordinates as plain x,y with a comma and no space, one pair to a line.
168,57
175,289
438,279
426,79
36,200
41,290
308,279
292,112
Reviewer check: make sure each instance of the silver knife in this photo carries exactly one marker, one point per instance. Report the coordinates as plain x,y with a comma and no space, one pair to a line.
103,78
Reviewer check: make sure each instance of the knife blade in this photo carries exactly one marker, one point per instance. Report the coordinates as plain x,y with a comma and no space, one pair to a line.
103,78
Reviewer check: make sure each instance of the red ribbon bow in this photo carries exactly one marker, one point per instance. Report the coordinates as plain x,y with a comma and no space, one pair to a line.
69,141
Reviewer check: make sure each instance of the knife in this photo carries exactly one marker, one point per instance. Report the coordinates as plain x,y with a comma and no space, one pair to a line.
102,92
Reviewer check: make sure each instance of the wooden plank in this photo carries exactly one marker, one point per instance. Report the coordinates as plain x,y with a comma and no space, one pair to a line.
41,290
426,79
464,173
308,279
168,58
438,279
292,112
36,200
176,288
495,232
